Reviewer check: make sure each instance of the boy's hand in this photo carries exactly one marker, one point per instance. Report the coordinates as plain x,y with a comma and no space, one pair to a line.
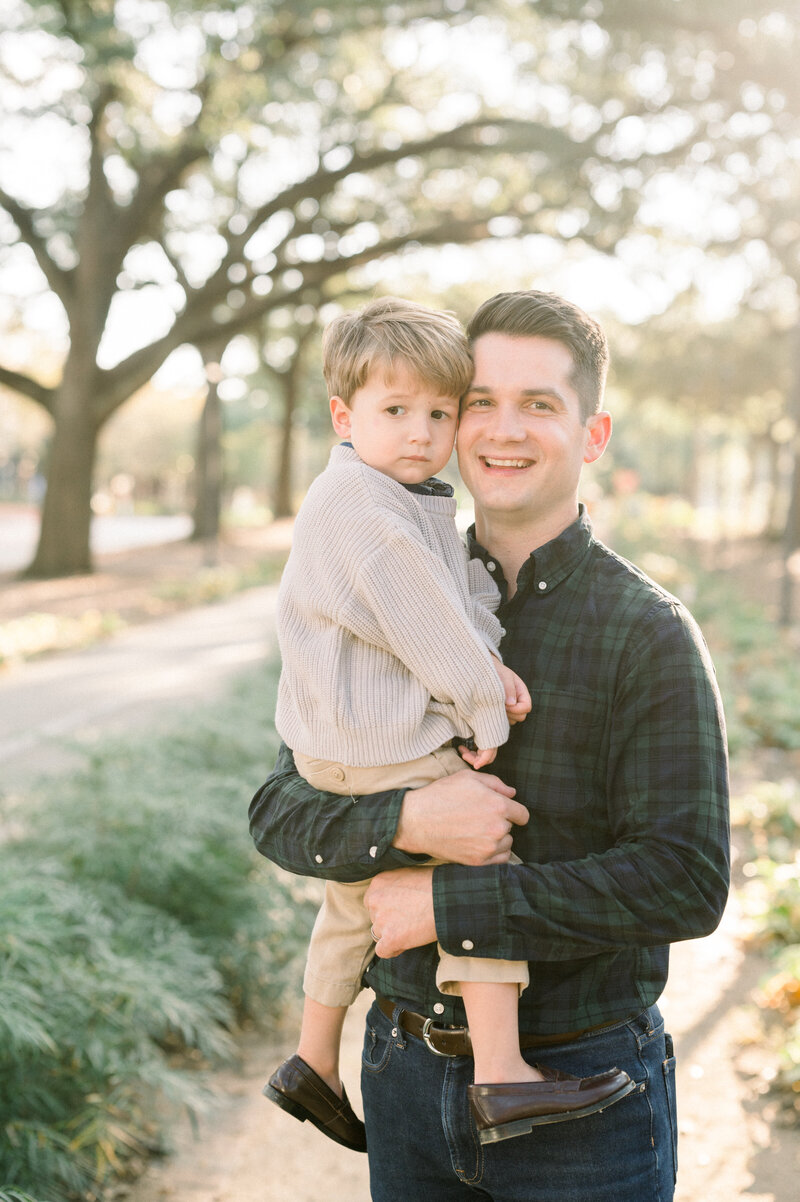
518,699
477,759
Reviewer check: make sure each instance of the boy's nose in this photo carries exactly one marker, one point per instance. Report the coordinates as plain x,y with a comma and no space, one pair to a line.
421,431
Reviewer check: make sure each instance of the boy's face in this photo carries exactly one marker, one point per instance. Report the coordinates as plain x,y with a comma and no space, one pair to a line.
398,424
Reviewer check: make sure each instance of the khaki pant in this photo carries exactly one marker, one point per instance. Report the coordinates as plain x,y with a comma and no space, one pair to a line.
341,943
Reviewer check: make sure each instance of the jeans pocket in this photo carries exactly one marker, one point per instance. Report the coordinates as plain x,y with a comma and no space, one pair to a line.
378,1046
668,1068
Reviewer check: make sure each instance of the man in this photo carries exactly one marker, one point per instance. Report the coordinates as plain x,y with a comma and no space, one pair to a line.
613,792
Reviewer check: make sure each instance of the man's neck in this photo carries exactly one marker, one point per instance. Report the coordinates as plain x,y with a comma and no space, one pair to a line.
512,542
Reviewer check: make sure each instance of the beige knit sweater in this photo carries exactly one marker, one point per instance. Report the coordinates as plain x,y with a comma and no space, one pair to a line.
384,624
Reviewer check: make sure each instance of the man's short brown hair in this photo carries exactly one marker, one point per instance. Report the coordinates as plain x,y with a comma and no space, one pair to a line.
532,314
430,343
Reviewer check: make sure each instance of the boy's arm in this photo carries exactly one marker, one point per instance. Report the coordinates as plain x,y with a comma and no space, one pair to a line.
484,599
404,599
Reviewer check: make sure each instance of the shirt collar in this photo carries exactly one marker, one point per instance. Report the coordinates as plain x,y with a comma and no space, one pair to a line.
549,564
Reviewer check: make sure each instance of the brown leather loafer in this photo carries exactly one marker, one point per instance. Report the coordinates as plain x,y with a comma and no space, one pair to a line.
296,1088
503,1111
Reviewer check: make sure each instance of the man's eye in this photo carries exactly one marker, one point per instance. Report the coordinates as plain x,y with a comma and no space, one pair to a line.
478,402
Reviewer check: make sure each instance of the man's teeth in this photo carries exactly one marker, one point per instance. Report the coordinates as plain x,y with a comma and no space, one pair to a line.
507,462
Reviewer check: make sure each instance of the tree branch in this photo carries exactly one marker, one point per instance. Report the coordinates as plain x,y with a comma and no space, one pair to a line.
163,172
196,324
58,279
29,387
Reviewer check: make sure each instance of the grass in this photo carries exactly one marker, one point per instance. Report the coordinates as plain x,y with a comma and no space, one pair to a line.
139,930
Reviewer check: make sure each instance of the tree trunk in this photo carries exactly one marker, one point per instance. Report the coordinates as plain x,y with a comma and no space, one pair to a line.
791,536
209,468
64,547
282,505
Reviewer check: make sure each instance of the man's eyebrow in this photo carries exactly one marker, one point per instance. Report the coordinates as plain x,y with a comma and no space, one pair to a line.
525,392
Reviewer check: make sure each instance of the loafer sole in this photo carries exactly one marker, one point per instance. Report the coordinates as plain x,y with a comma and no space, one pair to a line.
493,1135
298,1111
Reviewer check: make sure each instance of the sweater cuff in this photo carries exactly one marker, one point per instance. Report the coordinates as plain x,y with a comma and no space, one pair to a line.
490,727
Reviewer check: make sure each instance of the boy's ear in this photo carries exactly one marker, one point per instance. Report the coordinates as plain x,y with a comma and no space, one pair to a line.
340,416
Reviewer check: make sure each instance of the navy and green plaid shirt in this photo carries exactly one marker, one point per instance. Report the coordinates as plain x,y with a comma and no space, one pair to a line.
622,764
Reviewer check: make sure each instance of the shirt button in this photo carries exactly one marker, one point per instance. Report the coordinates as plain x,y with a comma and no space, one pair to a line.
337,773
438,1008
467,945
318,859
542,585
373,851
492,566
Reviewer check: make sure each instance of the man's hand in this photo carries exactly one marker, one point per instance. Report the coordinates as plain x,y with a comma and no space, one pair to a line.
400,905
465,818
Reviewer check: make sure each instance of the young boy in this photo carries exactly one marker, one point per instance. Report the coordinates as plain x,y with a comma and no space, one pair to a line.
389,643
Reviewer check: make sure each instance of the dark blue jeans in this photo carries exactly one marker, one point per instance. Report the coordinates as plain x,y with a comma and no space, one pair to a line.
423,1147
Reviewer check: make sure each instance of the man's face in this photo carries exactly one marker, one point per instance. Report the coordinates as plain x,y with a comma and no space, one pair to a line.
521,440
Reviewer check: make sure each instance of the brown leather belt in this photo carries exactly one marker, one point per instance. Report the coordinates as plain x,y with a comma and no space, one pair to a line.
456,1041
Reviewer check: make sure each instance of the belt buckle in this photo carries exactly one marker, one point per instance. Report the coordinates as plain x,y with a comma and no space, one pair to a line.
426,1038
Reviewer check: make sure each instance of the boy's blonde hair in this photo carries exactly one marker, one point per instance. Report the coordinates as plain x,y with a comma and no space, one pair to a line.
428,342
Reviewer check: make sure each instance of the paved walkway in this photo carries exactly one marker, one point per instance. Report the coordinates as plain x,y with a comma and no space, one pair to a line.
50,708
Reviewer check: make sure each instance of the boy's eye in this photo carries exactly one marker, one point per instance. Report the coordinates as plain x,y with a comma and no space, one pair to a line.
440,415
395,410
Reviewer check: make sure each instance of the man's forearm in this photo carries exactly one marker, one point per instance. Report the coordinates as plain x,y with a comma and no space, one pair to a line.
325,835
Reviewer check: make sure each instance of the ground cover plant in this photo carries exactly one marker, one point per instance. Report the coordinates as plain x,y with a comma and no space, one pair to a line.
138,931
759,674
770,815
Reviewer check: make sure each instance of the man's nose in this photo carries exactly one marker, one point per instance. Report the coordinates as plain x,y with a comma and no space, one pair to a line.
505,424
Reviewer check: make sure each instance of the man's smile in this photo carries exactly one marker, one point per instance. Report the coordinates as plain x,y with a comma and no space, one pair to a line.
493,462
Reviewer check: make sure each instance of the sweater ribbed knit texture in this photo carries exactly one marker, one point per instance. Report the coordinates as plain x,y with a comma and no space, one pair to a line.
385,625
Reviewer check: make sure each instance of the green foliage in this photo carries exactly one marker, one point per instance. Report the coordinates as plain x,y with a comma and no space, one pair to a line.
770,899
759,678
9,1193
138,925
781,994
757,667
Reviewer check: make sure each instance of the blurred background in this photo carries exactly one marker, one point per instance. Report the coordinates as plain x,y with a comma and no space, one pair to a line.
189,192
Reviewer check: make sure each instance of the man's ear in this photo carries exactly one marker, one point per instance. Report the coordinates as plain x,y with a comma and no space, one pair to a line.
598,432
340,416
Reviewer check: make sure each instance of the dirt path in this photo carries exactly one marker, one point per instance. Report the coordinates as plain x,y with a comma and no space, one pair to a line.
247,1150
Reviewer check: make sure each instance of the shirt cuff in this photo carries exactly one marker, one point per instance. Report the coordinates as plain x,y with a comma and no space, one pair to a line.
468,908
